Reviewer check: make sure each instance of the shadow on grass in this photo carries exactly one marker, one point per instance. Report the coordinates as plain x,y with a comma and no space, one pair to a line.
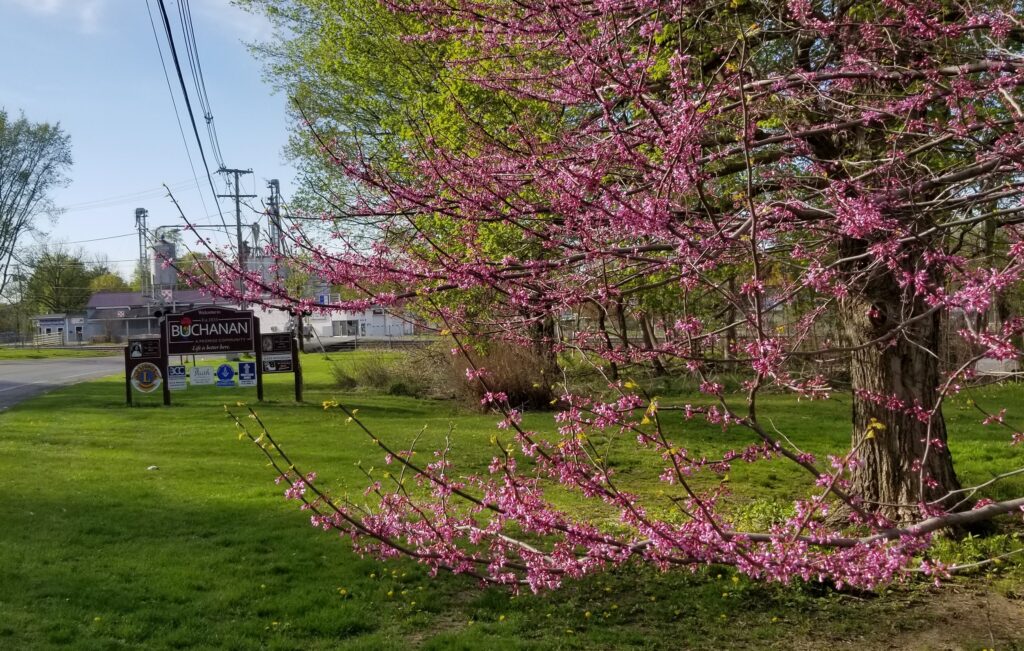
98,552
104,569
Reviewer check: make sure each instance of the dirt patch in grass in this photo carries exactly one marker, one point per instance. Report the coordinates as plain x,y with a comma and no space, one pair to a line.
951,618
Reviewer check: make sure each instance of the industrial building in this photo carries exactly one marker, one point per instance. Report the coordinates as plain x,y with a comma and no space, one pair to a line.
115,316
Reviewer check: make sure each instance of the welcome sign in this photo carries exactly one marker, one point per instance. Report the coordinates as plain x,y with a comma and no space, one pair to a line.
210,330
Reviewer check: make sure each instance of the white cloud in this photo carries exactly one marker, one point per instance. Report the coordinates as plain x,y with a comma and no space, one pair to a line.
86,13
240,23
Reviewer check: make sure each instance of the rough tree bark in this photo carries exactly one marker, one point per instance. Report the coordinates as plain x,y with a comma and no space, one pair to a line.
897,351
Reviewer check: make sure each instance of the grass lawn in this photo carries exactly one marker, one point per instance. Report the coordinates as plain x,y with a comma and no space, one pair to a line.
99,552
7,352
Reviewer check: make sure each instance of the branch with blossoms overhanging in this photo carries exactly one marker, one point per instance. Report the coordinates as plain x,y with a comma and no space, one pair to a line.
494,536
785,183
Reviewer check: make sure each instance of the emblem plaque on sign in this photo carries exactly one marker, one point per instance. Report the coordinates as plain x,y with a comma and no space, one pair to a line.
247,374
146,377
225,375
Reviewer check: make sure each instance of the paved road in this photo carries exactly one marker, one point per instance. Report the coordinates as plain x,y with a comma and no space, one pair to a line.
24,378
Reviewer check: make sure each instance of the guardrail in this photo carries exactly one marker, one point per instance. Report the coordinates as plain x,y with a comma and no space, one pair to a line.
112,348
363,343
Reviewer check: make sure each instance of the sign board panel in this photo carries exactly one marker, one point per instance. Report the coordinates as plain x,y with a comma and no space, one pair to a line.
144,349
210,330
278,364
226,375
176,378
247,374
146,377
202,375
277,352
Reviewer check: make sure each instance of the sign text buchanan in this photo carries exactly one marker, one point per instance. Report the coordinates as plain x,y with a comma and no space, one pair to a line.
210,330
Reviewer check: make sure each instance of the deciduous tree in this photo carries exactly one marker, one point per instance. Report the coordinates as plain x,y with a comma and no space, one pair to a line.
34,159
800,161
60,282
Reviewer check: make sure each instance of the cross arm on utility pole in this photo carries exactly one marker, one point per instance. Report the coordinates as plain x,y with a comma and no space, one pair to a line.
237,196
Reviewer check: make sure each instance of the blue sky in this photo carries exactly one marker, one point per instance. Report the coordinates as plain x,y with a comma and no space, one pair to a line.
92,65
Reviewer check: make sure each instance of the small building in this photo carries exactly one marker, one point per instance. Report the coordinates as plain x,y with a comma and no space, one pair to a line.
115,316
59,329
375,322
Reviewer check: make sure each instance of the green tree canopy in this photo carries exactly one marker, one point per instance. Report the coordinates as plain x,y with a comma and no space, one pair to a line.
34,158
60,282
108,282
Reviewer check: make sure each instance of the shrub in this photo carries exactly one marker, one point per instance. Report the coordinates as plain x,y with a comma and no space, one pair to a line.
342,378
375,371
421,372
523,375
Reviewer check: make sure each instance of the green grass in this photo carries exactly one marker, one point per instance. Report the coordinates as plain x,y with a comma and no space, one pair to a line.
98,552
12,353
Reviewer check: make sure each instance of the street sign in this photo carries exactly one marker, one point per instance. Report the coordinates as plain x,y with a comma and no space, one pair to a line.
146,377
202,375
176,378
226,375
277,352
247,374
210,330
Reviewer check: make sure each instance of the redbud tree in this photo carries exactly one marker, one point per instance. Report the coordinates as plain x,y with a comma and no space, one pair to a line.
772,188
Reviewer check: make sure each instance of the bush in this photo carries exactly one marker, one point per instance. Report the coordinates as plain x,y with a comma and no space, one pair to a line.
523,375
433,372
420,373
342,378
375,371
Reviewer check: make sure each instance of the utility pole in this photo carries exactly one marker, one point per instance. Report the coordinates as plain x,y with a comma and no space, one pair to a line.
276,235
20,277
237,196
141,215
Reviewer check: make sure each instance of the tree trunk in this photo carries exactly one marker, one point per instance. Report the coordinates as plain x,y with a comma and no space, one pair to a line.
649,340
729,352
544,350
603,329
895,383
620,317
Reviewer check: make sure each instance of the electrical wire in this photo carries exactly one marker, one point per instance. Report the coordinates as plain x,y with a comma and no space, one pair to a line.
177,115
188,105
196,68
95,204
100,239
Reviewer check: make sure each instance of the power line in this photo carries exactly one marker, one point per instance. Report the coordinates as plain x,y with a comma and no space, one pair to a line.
130,197
100,239
188,105
177,116
74,263
192,50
